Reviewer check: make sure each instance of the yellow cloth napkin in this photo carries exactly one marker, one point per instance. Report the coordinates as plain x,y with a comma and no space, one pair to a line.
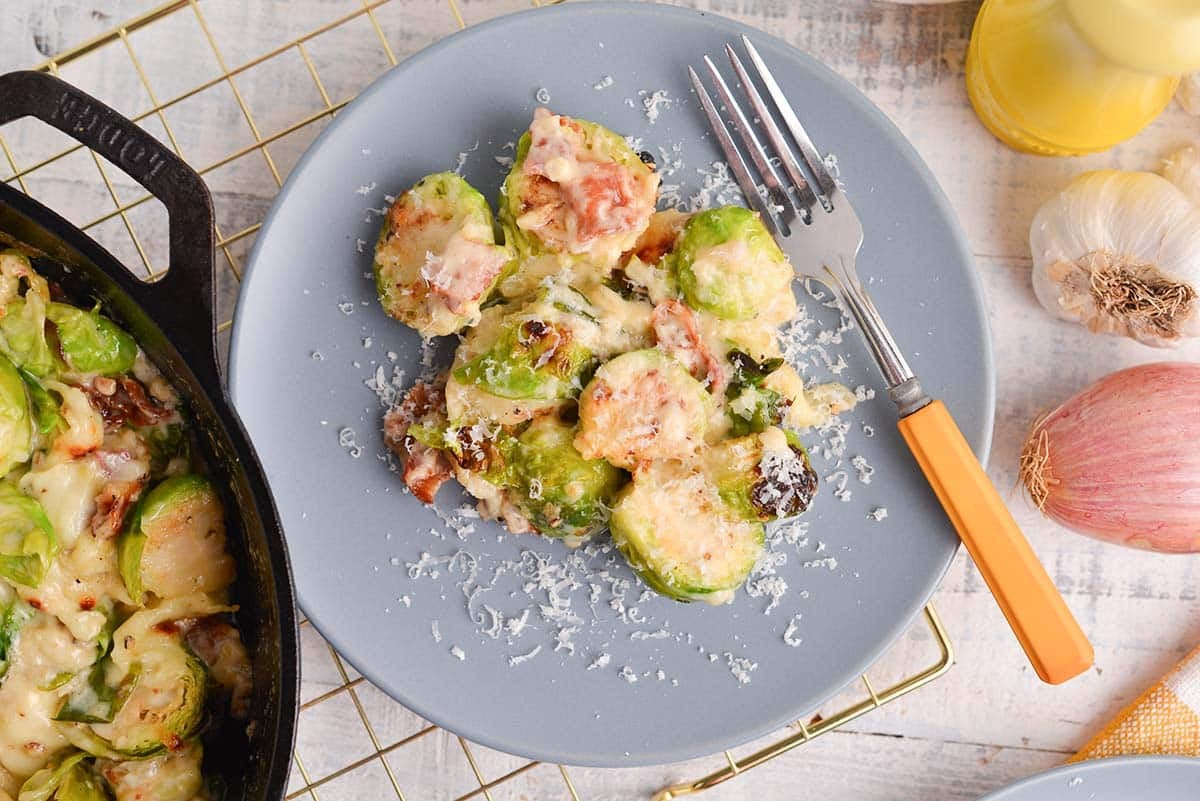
1163,720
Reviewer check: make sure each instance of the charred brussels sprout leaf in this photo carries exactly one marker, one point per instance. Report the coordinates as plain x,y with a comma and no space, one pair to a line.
91,342
27,541
71,779
727,263
16,427
174,543
766,476
563,494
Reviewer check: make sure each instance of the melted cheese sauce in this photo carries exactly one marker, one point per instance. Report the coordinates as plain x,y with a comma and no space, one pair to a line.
28,736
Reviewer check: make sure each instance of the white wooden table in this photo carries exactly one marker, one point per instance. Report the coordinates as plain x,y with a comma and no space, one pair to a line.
986,723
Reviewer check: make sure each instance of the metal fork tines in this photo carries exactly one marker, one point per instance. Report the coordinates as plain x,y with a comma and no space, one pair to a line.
811,219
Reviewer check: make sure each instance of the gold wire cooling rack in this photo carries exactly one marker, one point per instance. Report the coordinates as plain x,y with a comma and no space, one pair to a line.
366,22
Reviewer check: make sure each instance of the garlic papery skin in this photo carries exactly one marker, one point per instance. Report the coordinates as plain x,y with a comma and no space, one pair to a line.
1119,252
1120,461
1182,168
1188,93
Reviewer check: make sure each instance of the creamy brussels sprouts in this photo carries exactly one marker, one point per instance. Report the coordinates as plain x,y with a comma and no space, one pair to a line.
576,188
682,536
437,259
118,655
726,263
624,370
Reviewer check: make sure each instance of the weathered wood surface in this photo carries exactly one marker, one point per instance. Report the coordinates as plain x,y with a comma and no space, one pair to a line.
986,723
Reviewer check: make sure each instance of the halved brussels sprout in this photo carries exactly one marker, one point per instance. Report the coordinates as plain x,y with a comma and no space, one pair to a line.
642,405
14,614
576,187
160,700
174,544
16,425
71,778
174,776
91,342
563,494
437,259
534,352
766,476
23,324
27,541
682,536
727,263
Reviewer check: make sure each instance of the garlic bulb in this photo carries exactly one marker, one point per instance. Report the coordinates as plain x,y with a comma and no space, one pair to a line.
1119,252
1182,168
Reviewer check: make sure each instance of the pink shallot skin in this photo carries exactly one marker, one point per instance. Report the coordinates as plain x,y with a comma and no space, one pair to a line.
1123,458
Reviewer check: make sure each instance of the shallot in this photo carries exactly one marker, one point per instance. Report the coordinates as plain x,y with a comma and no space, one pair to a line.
1120,461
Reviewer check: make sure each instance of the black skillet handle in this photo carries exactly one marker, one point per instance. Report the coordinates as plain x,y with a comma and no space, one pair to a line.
183,300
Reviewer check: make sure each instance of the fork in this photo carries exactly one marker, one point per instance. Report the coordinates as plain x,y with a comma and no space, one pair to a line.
816,226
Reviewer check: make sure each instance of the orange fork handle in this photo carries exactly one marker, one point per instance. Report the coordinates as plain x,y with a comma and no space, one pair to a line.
1039,617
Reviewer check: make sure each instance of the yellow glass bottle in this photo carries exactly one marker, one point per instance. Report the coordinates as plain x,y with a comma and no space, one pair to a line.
1064,77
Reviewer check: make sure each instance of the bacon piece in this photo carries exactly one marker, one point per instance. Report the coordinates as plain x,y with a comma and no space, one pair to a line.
425,469
678,334
219,645
125,401
112,504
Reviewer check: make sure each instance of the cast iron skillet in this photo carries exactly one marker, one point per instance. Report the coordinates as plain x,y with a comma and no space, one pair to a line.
172,319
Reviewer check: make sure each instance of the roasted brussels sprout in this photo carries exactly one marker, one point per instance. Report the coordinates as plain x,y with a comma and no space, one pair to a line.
23,324
576,188
642,405
27,541
563,494
437,259
765,476
174,776
161,685
174,543
91,342
16,426
14,614
162,701
536,352
726,263
71,778
682,536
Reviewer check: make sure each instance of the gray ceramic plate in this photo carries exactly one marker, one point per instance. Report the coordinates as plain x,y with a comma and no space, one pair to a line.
1122,779
664,679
